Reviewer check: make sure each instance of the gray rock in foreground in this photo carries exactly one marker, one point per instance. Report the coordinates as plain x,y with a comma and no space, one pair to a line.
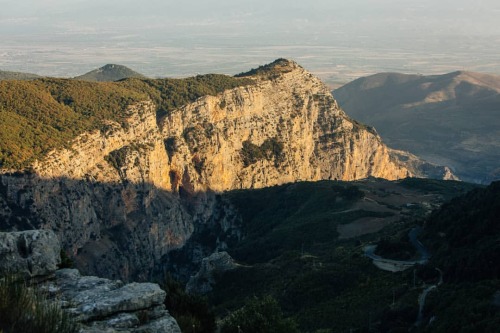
100,305
103,305
30,253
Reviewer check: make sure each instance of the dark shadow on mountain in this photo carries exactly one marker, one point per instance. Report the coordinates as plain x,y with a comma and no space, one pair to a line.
138,231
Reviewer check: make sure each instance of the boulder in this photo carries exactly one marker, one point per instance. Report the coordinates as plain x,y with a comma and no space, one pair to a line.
204,280
32,253
103,305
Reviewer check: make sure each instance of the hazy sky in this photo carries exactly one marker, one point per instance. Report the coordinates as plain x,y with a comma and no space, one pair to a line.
27,25
69,16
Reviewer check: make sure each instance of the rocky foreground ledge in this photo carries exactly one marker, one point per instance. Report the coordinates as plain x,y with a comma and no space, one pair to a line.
100,305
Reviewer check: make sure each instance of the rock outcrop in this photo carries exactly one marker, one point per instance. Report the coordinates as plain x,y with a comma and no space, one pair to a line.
103,305
30,254
99,305
203,281
124,197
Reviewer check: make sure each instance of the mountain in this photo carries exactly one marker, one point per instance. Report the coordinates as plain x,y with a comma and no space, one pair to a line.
109,73
6,75
257,190
146,158
451,119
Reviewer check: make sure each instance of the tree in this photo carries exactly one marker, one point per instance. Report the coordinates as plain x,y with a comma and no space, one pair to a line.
261,315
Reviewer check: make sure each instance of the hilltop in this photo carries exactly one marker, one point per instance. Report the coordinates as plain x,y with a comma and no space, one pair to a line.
8,75
451,119
109,73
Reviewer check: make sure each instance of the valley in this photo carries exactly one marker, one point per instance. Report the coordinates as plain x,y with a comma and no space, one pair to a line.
240,193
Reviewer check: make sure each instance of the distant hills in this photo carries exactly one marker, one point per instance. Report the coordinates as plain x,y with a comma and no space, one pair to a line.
8,75
451,119
110,72
107,73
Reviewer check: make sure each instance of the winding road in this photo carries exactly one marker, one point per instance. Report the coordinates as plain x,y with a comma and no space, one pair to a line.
392,265
401,265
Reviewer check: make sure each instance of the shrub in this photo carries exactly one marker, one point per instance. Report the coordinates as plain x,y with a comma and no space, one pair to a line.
192,312
269,150
24,310
261,315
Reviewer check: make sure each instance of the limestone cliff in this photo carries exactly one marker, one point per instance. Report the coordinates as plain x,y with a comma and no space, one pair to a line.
312,137
122,198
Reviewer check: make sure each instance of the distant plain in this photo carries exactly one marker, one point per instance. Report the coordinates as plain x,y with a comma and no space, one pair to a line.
335,58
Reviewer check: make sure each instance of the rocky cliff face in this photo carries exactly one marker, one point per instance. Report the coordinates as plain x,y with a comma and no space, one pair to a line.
122,198
293,112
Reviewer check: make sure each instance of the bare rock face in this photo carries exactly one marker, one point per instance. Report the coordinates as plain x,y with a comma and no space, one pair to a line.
280,130
31,253
123,198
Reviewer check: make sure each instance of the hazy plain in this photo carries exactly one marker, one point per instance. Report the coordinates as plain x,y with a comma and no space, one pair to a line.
335,40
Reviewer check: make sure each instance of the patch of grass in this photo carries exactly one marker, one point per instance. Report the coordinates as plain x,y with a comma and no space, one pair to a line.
24,310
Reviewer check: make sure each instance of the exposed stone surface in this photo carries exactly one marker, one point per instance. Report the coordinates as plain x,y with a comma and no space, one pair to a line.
29,253
121,219
423,169
204,280
103,305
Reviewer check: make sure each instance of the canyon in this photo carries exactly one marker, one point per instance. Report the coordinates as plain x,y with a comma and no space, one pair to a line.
122,198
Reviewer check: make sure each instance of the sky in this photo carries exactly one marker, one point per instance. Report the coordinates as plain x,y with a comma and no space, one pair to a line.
179,38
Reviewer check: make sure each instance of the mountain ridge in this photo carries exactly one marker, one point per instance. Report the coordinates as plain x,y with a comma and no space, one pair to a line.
9,75
449,119
109,73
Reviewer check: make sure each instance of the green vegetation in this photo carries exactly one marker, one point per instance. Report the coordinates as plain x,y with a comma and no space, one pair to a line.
319,281
37,116
66,261
327,285
259,315
270,71
468,227
434,185
398,248
169,94
464,307
24,310
270,149
117,158
191,311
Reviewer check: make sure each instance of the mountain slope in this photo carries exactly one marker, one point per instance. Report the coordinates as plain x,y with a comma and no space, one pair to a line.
137,184
7,75
451,119
109,73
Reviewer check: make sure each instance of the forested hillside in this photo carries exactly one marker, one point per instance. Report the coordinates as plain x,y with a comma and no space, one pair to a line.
37,116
